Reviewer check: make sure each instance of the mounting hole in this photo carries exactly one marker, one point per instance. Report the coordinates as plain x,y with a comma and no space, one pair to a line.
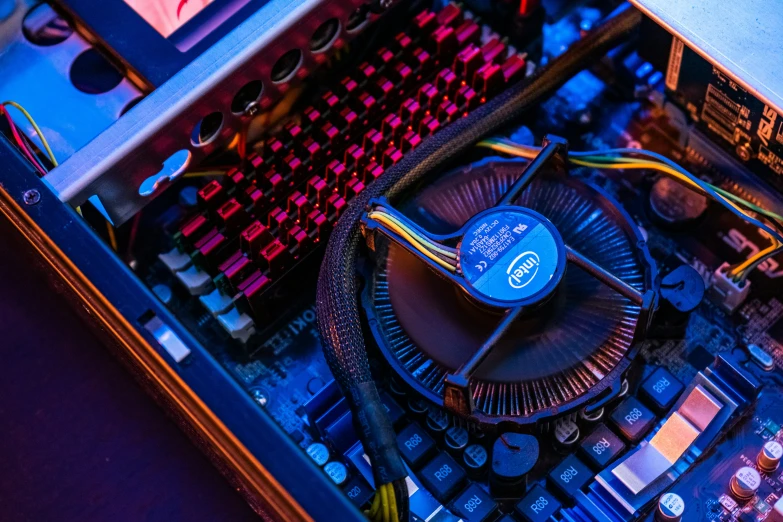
207,129
43,26
94,74
249,93
358,19
325,35
173,167
285,68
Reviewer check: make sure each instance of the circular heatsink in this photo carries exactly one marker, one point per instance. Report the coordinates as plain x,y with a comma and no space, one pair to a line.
554,358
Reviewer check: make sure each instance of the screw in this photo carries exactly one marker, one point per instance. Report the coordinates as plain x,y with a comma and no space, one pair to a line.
31,197
252,109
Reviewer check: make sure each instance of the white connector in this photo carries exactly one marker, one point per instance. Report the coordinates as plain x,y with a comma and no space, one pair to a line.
730,293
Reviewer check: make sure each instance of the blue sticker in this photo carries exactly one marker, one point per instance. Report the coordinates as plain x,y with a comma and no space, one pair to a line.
511,254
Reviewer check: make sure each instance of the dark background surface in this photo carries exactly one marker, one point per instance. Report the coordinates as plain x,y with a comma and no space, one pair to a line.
79,439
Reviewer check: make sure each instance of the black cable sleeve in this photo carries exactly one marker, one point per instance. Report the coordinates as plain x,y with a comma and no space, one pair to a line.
339,320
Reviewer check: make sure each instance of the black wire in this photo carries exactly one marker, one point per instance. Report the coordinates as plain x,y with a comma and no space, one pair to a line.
339,320
400,487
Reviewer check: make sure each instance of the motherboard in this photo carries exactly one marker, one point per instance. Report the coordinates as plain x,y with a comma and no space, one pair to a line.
270,343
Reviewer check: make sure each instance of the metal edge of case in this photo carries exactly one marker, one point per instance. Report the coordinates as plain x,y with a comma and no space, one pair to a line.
732,36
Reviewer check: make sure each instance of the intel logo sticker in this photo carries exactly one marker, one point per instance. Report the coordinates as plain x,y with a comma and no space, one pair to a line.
511,255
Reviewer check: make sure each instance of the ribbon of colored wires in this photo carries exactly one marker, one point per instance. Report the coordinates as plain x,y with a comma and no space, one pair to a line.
619,159
21,143
37,129
442,255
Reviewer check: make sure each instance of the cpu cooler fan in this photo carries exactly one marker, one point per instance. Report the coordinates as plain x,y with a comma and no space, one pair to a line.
551,288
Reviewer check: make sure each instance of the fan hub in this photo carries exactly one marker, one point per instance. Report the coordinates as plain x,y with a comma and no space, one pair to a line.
511,256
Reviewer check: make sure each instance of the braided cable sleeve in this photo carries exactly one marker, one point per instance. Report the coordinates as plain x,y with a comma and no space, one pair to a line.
339,319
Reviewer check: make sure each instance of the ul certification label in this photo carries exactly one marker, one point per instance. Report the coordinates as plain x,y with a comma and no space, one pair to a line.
509,255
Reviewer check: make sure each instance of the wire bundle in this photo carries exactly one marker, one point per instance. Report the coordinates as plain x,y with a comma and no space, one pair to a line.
417,237
631,159
384,505
20,141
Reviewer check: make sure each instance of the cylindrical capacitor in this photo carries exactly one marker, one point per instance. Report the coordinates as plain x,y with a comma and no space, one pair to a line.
769,456
671,507
438,420
566,433
475,459
456,438
745,483
337,472
318,452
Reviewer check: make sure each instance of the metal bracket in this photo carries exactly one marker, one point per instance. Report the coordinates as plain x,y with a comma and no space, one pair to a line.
152,143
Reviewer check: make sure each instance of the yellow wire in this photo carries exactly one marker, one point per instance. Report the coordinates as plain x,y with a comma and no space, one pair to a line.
422,239
376,505
382,218
112,236
393,505
385,502
204,174
38,131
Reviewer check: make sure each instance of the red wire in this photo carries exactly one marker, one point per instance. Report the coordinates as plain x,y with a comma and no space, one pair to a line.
20,142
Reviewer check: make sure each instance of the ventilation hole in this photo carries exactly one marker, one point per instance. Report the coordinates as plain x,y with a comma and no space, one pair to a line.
93,74
324,36
131,104
251,92
207,129
43,26
357,20
173,167
286,66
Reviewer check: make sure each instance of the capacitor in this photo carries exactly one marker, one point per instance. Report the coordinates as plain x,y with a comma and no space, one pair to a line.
475,459
337,472
438,420
769,456
674,204
318,452
456,438
745,483
591,416
671,507
417,406
566,433
513,456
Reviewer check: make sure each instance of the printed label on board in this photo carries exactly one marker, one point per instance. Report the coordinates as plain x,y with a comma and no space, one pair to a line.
675,63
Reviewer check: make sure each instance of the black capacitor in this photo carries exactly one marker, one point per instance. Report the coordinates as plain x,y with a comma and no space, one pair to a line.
475,460
456,438
417,406
438,420
681,292
673,204
513,456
